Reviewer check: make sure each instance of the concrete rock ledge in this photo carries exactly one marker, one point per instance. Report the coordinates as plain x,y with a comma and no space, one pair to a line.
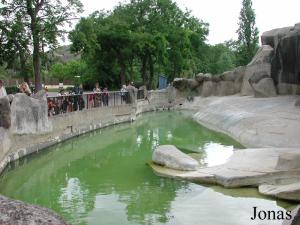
249,167
289,191
17,212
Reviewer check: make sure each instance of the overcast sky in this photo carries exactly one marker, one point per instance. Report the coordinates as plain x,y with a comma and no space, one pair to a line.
222,15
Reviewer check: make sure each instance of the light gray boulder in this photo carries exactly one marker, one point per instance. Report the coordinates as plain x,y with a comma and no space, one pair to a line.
169,156
264,88
29,115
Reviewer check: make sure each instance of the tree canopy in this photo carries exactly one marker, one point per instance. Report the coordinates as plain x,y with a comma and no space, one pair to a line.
34,25
136,41
140,40
248,33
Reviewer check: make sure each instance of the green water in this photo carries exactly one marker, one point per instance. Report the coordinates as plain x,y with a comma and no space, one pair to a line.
102,177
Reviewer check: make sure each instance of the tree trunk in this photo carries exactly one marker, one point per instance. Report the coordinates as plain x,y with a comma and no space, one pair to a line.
123,73
24,73
144,70
37,62
151,70
174,72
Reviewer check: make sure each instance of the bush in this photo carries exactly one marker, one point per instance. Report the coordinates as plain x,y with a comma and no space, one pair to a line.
12,90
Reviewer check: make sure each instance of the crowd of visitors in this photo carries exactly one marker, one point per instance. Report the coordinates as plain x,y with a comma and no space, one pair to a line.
75,99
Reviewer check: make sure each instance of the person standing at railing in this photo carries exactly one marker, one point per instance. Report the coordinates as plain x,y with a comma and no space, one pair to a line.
24,88
77,90
2,89
123,93
132,92
81,101
105,97
97,95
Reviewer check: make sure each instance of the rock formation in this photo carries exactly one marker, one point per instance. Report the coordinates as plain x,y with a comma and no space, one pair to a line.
259,68
30,115
170,157
249,167
228,83
16,212
275,69
285,65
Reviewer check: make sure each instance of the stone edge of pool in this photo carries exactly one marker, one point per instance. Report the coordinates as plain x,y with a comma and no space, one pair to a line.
268,127
29,134
265,124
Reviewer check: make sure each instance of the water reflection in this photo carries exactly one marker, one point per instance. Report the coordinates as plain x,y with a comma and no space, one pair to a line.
72,197
102,178
215,154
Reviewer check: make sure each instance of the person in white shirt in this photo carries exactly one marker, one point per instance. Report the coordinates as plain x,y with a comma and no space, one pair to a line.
2,89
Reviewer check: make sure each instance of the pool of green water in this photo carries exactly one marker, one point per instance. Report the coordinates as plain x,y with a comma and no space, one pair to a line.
103,177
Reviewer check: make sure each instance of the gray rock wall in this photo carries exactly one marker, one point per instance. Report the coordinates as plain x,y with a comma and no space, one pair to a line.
285,65
205,85
278,60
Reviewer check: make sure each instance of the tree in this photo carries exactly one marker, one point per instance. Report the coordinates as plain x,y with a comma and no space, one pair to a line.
247,33
144,37
70,70
14,45
43,20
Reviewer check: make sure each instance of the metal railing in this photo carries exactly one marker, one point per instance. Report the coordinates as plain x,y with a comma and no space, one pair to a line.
70,103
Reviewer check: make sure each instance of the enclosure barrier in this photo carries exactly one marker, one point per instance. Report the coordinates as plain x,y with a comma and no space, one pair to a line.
73,102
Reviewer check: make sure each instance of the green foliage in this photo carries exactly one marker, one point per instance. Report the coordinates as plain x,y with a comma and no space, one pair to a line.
71,70
222,59
140,40
12,89
34,24
248,34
